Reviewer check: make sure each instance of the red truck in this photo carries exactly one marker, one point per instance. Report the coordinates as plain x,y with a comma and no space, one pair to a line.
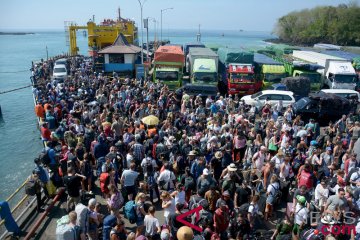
237,71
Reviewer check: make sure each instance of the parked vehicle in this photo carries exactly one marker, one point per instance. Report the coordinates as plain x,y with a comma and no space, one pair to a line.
345,93
270,96
337,73
268,70
237,72
322,106
168,65
203,70
60,72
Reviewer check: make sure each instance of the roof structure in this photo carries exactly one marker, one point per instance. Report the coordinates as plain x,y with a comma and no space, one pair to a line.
121,46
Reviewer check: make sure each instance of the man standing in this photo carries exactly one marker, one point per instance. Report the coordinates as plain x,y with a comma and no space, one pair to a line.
128,179
73,183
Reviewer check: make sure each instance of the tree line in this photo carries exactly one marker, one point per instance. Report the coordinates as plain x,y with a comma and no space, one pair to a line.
336,25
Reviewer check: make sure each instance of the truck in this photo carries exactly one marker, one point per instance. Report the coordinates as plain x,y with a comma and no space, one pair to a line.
336,73
168,66
268,70
237,72
203,72
295,67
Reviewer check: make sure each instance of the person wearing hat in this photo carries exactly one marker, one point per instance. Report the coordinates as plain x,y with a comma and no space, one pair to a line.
326,157
300,217
221,219
185,233
205,181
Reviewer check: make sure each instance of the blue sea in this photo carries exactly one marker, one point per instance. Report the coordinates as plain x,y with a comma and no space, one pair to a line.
19,136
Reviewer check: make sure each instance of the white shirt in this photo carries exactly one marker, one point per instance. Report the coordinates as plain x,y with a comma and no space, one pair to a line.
180,197
272,188
170,209
301,214
166,176
253,209
321,192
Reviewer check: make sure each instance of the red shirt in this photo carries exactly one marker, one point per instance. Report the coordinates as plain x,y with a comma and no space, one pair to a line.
221,220
45,133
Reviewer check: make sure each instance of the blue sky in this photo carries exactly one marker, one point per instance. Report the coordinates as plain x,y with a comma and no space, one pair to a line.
260,15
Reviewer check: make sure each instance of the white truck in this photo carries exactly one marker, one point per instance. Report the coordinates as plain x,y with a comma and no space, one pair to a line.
338,73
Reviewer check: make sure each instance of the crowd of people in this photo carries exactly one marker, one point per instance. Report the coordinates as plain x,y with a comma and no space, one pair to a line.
239,163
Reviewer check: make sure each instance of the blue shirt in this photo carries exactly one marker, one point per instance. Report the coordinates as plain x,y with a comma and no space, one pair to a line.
51,153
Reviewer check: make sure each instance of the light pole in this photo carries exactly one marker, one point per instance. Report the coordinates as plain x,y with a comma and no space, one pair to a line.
163,10
141,3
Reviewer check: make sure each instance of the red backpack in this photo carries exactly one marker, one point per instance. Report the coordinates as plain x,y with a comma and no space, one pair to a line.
305,179
104,182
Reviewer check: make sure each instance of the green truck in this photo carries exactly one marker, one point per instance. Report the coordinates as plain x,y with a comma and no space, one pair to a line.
295,67
269,70
168,66
202,64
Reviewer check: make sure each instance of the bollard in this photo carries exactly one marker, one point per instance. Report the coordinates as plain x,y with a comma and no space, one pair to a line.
5,214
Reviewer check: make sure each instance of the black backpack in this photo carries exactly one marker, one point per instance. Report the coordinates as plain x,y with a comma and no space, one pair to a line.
30,187
189,183
44,157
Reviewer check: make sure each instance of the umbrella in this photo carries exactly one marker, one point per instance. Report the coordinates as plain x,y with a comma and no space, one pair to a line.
150,120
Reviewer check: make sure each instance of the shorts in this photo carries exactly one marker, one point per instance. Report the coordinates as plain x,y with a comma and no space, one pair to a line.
270,200
296,229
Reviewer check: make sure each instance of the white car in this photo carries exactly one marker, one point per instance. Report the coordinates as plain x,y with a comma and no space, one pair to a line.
61,61
60,72
345,93
272,96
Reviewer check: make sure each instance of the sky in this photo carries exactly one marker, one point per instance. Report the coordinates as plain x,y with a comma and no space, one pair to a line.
257,15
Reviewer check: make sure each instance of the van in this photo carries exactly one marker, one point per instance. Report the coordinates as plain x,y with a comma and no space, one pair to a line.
271,96
61,61
60,72
345,93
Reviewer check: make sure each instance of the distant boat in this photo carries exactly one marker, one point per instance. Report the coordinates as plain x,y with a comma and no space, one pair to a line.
241,30
222,34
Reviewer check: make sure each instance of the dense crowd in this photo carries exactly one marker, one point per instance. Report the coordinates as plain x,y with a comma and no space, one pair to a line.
152,148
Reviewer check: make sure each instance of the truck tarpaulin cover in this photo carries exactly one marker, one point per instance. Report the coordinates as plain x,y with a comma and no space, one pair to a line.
233,55
329,100
298,85
169,54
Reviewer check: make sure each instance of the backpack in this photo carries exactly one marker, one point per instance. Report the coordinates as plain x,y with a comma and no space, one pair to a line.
197,203
44,157
104,182
82,217
244,209
189,183
66,232
130,211
353,170
277,196
117,201
30,187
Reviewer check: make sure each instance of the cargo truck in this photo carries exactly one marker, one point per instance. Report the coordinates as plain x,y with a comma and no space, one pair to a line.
337,73
237,72
168,66
203,72
268,70
295,67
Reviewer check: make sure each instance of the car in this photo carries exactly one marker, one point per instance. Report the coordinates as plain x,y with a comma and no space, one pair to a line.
272,97
322,106
60,71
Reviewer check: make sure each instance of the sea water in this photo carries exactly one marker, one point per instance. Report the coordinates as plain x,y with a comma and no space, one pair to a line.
19,135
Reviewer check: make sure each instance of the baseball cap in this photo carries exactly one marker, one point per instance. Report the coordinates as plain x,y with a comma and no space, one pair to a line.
301,199
206,171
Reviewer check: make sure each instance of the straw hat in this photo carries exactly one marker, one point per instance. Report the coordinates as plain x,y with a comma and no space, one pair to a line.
192,153
185,233
218,154
232,167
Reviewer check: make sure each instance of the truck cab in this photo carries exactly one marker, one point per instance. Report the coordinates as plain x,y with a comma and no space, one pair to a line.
271,74
339,75
315,78
241,79
204,75
170,76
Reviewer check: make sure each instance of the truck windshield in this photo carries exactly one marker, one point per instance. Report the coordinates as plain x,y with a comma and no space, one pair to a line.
274,77
166,76
236,77
205,76
341,78
314,78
